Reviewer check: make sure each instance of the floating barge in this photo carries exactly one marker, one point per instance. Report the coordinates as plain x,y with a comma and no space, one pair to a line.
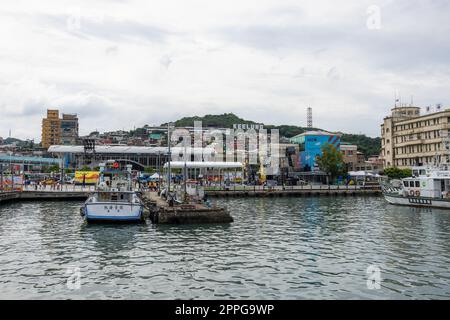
160,212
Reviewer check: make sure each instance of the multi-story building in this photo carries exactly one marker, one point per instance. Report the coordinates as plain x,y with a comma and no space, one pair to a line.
56,130
69,129
51,129
409,138
350,155
311,143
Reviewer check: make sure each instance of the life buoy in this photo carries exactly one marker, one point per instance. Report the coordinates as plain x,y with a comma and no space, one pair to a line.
417,193
411,192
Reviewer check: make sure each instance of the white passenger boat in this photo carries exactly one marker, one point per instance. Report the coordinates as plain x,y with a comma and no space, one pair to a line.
114,198
428,187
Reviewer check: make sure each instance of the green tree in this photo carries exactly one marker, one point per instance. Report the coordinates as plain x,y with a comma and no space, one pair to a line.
331,161
397,173
85,168
54,168
68,171
149,170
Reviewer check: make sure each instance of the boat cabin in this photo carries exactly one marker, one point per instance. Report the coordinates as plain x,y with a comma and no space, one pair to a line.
427,182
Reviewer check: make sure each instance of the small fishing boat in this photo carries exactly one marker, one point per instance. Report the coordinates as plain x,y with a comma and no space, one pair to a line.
428,187
114,198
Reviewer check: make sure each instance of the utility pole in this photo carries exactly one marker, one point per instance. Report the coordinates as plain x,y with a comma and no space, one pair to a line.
185,173
168,163
159,171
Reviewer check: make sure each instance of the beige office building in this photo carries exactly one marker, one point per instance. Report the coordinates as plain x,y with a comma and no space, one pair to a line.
409,138
56,130
51,129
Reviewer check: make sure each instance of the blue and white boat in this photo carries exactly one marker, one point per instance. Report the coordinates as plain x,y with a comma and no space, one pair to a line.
114,199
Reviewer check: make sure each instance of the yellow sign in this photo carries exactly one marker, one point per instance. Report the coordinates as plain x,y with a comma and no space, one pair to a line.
88,177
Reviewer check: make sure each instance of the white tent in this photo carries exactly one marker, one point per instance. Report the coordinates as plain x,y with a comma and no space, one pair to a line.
357,173
154,176
204,164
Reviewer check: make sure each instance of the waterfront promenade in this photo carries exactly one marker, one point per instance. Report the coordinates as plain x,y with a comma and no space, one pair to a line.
30,194
75,192
306,190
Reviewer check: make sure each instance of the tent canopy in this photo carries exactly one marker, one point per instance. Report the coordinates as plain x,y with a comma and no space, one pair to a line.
360,174
204,164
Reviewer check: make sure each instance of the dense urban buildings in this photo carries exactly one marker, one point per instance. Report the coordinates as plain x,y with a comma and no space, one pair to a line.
409,138
56,130
139,156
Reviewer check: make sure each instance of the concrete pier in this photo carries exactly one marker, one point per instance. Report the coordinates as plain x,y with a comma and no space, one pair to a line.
9,196
293,193
54,195
43,195
161,212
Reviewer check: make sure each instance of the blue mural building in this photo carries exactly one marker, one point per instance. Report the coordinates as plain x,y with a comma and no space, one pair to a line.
311,143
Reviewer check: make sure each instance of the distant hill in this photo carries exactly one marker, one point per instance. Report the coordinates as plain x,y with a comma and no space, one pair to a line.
12,140
367,145
225,120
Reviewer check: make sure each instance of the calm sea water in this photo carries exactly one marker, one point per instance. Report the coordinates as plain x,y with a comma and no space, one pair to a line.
282,248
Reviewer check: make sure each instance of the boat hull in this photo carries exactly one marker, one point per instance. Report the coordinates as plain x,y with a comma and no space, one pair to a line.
113,212
417,201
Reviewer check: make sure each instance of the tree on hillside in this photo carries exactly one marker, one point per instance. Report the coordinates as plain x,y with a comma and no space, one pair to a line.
331,161
367,145
397,173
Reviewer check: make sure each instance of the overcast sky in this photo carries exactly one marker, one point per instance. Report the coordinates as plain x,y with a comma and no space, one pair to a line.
120,64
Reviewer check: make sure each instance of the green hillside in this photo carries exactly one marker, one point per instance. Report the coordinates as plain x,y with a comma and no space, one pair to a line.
225,120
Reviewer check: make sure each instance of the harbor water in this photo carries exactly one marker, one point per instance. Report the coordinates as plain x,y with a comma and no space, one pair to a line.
277,248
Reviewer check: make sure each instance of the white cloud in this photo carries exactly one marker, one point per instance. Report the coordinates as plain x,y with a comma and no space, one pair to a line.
120,64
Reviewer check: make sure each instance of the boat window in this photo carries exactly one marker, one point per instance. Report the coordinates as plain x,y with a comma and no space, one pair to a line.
411,184
417,184
415,173
422,172
405,183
